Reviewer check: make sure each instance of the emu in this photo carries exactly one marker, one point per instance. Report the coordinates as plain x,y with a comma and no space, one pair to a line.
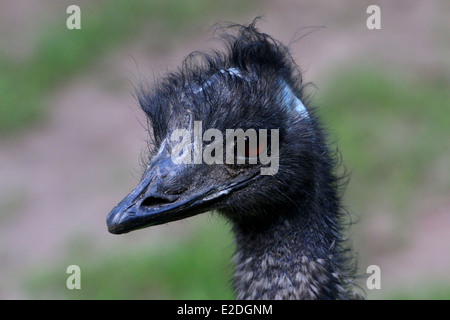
289,225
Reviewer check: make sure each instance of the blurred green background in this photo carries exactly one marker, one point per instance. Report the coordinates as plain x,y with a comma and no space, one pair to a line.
71,136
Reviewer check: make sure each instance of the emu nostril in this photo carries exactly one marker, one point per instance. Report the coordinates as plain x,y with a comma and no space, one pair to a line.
152,201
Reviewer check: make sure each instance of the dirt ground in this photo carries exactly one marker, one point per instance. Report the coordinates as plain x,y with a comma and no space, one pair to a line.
59,179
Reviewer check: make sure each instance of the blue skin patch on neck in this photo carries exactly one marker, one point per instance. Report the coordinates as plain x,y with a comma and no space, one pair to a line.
290,99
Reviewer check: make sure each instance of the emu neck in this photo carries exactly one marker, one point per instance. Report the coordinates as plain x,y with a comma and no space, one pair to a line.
296,257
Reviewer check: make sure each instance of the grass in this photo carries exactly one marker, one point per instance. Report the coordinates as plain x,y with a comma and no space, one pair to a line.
59,53
422,291
391,132
197,268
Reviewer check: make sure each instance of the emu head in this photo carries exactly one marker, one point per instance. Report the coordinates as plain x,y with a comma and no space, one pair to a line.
254,86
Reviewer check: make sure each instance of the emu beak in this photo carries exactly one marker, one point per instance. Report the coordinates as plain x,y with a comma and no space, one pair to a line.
145,206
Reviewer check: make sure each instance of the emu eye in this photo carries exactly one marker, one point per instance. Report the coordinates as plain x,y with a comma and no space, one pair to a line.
254,151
